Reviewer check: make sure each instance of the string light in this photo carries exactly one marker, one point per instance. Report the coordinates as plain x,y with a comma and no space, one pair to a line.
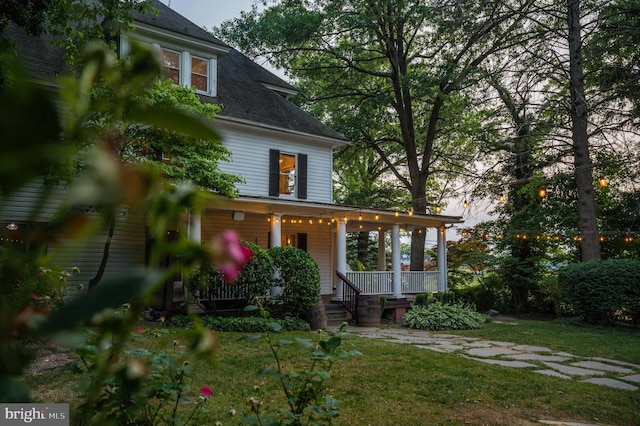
438,208
602,181
501,198
465,205
542,192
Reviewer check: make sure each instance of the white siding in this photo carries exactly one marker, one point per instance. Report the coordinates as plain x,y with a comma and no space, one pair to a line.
255,228
127,247
250,160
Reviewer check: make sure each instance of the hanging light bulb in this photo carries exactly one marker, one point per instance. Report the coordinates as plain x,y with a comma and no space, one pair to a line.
542,192
465,205
501,198
438,208
602,181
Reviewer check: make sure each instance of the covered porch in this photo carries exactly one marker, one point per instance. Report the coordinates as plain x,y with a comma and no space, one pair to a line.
272,222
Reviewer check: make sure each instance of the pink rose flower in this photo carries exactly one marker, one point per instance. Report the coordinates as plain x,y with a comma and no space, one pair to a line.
206,391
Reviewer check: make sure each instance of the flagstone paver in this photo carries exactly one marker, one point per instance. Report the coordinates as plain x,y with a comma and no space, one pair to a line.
539,359
634,378
612,383
594,365
553,373
527,348
576,371
504,363
489,352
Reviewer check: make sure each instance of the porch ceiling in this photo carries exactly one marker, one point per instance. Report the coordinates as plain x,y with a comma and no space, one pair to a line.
358,218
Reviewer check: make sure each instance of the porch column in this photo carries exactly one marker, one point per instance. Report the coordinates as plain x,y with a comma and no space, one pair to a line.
442,259
382,261
395,262
195,226
275,240
341,255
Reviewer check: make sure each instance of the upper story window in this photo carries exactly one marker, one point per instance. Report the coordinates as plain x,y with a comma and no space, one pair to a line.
171,65
200,73
188,70
287,174
287,165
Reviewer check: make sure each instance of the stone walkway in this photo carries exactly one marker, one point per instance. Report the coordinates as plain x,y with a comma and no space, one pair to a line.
541,360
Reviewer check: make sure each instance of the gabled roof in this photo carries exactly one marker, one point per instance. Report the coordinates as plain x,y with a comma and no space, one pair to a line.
169,19
244,96
43,60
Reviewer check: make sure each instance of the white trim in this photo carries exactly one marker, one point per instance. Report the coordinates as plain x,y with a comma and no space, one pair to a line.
281,90
146,33
253,125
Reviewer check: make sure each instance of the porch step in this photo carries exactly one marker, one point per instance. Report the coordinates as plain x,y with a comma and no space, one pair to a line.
337,314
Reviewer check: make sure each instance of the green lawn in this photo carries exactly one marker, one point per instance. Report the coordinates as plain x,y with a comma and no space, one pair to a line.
393,384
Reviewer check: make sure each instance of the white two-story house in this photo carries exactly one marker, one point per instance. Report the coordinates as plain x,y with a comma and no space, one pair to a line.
284,157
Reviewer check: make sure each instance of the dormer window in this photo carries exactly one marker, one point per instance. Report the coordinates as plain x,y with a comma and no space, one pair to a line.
200,73
171,65
185,69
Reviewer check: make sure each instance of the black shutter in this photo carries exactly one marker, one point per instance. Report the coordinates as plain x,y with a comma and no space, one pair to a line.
274,172
302,176
302,241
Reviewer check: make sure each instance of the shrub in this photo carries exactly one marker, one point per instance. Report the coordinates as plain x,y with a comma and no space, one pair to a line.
300,276
252,324
256,277
26,283
254,280
438,316
424,299
603,291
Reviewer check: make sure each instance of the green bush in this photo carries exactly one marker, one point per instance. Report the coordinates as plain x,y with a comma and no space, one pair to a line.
26,283
424,299
438,316
255,280
300,279
252,324
256,277
602,291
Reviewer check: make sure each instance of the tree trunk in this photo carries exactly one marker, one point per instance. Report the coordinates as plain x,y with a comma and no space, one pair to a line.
105,255
587,224
418,235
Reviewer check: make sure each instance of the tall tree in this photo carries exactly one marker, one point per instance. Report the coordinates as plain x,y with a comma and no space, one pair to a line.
406,64
587,221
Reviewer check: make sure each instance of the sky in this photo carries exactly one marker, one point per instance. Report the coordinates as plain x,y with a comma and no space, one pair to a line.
210,13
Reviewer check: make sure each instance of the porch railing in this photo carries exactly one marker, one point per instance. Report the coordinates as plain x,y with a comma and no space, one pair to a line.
381,282
350,295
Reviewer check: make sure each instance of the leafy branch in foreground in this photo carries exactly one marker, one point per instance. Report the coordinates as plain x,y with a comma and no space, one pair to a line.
305,390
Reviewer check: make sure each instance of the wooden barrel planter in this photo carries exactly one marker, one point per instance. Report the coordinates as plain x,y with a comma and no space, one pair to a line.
316,316
369,311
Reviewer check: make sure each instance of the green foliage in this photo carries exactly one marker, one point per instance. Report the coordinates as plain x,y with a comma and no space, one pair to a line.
425,299
253,324
300,279
187,158
254,281
306,389
439,316
106,184
603,291
26,283
72,22
150,385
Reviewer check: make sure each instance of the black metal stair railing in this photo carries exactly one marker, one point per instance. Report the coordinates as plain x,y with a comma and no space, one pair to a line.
350,295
